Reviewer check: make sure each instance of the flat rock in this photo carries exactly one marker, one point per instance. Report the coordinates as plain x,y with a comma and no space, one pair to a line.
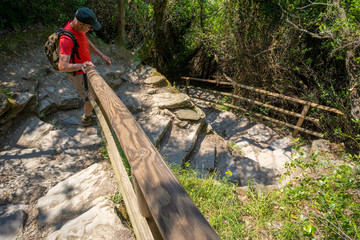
220,121
183,140
47,106
40,135
89,136
155,126
187,114
99,222
171,100
33,132
204,159
12,218
155,80
74,197
69,102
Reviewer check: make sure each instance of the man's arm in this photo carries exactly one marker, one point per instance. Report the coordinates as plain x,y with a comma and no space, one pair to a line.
93,49
65,65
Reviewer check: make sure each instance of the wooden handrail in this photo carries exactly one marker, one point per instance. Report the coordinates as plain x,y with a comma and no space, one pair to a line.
175,214
311,104
139,223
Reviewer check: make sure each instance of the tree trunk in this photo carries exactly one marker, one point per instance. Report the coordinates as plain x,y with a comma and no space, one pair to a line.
121,29
351,68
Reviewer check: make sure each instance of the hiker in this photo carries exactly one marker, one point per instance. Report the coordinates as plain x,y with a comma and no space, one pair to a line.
84,21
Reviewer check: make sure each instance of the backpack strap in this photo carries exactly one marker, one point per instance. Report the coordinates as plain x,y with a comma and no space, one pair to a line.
75,50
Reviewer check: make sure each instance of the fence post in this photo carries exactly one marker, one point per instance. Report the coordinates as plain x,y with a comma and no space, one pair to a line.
235,93
301,119
187,86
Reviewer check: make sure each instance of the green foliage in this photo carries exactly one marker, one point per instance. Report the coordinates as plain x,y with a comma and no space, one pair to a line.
15,15
329,190
117,197
322,202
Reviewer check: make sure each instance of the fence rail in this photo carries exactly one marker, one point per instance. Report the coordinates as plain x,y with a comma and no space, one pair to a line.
160,198
301,116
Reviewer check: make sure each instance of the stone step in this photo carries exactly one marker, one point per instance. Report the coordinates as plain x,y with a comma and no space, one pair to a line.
177,146
78,207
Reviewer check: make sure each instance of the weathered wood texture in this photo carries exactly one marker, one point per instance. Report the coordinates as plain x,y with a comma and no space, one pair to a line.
311,104
139,223
175,214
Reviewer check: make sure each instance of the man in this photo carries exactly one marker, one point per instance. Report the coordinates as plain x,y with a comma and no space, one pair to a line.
84,21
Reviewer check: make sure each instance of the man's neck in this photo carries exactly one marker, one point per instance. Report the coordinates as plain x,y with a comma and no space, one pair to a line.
74,26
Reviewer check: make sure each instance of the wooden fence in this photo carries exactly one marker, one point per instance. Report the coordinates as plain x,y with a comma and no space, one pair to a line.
160,208
236,86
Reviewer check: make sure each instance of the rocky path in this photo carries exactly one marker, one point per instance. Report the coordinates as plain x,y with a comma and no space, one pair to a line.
53,183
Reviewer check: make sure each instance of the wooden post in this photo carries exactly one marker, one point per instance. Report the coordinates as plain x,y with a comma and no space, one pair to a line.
235,93
187,86
175,214
301,119
143,207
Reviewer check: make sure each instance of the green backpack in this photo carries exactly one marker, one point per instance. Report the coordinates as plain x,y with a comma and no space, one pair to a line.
52,48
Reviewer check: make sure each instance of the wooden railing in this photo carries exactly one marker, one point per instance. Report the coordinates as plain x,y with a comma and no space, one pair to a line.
160,208
236,86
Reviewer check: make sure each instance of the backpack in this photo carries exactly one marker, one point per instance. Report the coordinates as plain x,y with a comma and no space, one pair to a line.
52,48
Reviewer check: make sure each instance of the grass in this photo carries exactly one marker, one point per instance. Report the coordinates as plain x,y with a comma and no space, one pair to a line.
324,206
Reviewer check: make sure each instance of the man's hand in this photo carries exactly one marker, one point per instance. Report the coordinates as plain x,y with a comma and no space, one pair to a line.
107,60
86,65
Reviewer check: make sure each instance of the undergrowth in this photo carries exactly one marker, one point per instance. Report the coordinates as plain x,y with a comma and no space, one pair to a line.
322,202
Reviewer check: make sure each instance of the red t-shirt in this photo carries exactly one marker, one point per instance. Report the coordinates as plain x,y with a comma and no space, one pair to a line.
66,45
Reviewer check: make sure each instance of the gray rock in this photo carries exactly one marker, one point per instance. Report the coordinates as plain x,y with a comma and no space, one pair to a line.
155,126
183,140
187,114
320,145
4,103
99,222
12,219
76,196
41,135
134,66
69,102
114,74
151,91
71,120
50,89
131,77
89,136
19,105
171,100
47,106
205,156
34,132
155,80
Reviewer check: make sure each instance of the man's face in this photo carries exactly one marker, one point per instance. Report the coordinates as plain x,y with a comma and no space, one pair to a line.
85,27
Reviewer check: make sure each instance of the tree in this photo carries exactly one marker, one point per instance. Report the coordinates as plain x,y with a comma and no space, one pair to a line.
121,27
336,23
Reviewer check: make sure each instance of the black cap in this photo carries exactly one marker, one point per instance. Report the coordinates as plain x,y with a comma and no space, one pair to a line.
87,16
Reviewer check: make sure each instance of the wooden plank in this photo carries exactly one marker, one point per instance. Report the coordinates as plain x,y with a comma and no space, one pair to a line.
266,117
301,119
175,214
272,94
315,120
139,223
